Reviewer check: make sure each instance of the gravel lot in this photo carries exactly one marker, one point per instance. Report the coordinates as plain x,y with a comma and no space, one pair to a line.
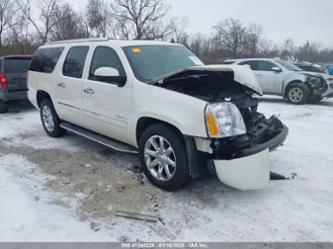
69,189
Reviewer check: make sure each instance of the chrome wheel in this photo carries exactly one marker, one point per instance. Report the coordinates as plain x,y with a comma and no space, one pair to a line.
160,158
47,118
296,95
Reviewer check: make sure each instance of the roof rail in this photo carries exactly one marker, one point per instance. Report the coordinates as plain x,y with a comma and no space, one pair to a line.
77,41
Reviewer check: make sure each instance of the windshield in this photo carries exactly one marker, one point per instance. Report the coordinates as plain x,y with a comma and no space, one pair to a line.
287,65
153,61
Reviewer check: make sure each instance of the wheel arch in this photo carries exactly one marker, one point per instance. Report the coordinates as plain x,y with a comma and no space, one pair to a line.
144,122
196,160
41,95
289,84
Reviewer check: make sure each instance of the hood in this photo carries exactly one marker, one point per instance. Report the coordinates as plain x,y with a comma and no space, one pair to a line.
321,75
242,75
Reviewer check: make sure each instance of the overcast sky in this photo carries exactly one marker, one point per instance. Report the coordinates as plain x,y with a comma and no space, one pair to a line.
300,20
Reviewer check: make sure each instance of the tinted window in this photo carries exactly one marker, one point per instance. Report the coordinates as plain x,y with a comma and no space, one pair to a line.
17,65
45,59
74,63
105,57
266,66
252,64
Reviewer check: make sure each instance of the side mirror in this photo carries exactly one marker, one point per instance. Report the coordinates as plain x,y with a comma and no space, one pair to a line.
276,69
110,75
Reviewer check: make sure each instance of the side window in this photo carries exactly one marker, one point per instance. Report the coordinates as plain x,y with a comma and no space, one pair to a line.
105,57
74,62
266,66
45,59
252,64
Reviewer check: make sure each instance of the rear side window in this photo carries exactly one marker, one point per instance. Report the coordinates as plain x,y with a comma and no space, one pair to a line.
252,64
17,65
74,63
45,59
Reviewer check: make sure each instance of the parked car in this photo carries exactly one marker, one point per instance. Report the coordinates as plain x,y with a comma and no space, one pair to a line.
279,77
330,69
159,100
310,67
13,79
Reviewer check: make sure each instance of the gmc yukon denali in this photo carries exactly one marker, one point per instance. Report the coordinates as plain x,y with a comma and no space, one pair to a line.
160,101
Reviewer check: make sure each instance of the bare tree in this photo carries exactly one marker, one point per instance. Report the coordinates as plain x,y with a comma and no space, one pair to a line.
98,17
141,19
67,24
288,48
308,52
44,24
251,41
230,35
6,16
179,31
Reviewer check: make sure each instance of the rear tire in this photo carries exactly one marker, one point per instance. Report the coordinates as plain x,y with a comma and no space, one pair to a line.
163,157
50,119
3,107
298,93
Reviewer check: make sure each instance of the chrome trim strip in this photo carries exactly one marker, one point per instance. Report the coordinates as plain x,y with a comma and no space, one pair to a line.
96,140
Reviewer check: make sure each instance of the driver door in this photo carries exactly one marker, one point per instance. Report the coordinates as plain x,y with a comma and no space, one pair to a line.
106,105
270,79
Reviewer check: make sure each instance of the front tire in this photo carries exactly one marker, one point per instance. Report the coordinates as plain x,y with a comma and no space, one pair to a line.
298,93
3,107
163,157
50,119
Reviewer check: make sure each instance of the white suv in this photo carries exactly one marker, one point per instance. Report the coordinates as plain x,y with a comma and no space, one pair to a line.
282,78
157,99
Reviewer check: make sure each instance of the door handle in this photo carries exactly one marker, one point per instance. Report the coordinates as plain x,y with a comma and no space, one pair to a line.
89,90
61,84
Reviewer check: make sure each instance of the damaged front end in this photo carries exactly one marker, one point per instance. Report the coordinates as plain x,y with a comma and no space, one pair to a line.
240,142
317,85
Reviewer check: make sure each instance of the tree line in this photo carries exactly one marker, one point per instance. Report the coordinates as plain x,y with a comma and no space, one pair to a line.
26,24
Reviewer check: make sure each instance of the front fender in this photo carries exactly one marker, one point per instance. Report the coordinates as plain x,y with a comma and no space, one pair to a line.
292,78
184,112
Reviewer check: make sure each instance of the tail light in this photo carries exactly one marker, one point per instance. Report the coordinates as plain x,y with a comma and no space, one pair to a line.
3,81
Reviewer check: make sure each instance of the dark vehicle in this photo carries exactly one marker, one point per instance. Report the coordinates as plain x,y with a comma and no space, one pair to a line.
13,79
311,67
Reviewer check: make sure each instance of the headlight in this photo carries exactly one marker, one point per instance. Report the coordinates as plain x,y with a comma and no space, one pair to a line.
313,81
224,120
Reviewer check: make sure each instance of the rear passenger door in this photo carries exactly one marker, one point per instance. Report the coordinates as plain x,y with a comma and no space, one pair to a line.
69,85
106,106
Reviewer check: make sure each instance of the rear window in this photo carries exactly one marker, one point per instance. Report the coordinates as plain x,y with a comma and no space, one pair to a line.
45,59
17,65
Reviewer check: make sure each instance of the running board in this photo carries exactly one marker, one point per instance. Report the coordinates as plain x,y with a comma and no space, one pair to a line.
108,142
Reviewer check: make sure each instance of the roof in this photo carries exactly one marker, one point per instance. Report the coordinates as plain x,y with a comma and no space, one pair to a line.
118,43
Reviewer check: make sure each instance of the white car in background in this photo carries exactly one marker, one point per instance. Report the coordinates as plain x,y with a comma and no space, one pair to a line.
279,77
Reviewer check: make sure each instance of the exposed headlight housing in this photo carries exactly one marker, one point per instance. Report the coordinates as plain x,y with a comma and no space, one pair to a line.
224,120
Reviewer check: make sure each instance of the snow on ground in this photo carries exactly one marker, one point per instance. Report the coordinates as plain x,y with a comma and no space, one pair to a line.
25,211
46,195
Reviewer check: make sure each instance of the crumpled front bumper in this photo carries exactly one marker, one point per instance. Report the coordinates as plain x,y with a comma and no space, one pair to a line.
252,170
